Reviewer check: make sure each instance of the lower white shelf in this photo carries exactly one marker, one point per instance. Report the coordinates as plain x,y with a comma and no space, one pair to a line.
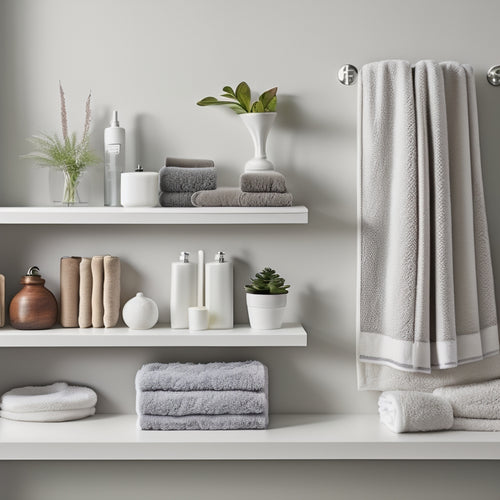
289,437
291,335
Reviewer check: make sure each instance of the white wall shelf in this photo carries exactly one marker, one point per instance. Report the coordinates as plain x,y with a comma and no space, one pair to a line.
291,335
290,437
119,215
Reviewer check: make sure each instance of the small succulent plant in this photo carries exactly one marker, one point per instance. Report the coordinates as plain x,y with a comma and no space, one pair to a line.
241,100
267,282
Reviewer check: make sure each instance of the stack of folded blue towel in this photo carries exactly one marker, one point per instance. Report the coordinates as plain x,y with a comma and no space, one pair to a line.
211,396
181,177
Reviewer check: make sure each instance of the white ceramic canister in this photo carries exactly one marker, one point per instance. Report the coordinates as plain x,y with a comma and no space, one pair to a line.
139,188
140,312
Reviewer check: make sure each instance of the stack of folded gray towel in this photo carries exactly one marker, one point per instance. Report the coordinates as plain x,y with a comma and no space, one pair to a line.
257,189
211,396
181,177
470,407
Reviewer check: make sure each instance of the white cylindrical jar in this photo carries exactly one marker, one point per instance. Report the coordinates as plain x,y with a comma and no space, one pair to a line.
139,188
183,291
140,313
219,292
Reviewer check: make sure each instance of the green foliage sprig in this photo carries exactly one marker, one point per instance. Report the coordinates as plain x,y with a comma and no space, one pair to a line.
240,100
267,282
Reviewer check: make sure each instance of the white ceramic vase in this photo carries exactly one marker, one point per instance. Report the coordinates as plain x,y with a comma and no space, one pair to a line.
259,125
140,313
266,312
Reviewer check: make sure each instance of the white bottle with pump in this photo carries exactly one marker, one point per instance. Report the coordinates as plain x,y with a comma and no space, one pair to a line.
114,161
183,291
219,292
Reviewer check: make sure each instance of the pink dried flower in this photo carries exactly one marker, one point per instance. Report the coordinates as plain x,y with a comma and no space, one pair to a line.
64,115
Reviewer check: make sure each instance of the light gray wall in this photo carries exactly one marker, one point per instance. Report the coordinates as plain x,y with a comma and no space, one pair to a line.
153,60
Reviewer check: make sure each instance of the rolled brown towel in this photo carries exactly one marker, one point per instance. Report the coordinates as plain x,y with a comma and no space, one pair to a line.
111,291
70,291
97,266
85,305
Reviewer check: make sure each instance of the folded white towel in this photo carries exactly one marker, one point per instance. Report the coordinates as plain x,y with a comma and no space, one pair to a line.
480,400
412,411
476,424
48,416
53,397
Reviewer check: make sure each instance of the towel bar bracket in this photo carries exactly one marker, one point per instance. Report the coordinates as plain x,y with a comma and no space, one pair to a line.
493,75
348,74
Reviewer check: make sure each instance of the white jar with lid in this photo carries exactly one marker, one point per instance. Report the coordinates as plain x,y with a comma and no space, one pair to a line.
140,313
139,188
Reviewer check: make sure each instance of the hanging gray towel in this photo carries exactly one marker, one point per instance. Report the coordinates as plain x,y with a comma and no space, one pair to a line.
425,290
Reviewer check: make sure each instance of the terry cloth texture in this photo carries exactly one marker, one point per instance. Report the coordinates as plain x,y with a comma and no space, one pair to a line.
168,199
111,291
420,221
70,290
54,397
188,163
476,424
414,411
85,302
48,416
263,182
181,179
233,376
201,422
97,266
480,401
234,197
175,403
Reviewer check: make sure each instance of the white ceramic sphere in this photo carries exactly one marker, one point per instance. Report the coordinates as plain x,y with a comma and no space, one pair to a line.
140,313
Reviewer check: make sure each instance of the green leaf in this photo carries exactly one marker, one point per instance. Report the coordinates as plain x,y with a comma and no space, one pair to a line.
267,96
229,96
237,108
243,95
229,90
257,107
208,101
271,107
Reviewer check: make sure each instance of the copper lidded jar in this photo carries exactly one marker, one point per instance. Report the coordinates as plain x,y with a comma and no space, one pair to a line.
34,307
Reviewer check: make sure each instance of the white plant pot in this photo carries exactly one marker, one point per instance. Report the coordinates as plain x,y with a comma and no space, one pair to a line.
266,312
259,125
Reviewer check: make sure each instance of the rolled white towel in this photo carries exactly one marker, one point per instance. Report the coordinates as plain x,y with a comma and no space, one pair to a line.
53,397
48,416
412,411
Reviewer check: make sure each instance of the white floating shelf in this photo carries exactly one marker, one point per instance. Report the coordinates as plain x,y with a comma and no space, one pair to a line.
290,437
119,215
291,335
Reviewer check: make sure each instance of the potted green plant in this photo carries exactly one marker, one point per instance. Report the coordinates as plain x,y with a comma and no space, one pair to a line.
266,300
67,154
258,116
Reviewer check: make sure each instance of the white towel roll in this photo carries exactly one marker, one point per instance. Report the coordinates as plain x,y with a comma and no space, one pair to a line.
48,416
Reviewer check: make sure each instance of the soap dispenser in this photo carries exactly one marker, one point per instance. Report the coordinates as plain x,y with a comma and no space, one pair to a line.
114,161
183,291
219,292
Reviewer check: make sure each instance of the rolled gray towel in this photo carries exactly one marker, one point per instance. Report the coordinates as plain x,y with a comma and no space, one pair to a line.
233,376
176,199
234,197
188,163
201,422
476,424
263,182
480,400
180,179
176,404
412,411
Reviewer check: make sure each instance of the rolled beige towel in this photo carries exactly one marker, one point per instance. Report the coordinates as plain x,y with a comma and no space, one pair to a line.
85,306
70,291
111,291
97,266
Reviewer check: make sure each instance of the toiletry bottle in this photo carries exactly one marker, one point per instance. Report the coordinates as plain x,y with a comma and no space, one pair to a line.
114,161
219,292
183,290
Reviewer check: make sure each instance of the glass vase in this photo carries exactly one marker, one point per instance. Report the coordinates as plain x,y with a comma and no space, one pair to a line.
65,190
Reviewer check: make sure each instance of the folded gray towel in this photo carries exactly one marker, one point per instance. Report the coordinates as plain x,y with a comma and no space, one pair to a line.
234,376
481,400
188,163
180,179
176,199
201,422
263,182
234,197
176,404
476,424
412,411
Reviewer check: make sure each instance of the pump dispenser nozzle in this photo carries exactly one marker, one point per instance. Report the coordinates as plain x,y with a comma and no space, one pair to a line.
114,121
